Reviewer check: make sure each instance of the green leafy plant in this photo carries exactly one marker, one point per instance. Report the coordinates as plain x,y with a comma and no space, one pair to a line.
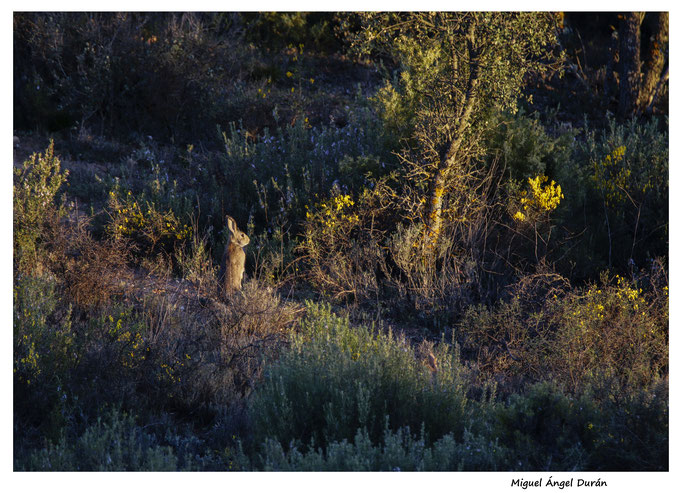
396,451
115,443
621,174
336,379
45,352
36,184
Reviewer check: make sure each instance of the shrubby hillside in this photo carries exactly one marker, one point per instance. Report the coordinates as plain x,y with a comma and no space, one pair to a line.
458,254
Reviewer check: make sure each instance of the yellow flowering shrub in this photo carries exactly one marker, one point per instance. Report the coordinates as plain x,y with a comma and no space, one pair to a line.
337,247
144,224
539,200
127,338
334,215
613,331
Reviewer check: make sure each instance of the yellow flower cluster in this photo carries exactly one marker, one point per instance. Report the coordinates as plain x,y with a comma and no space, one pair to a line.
132,344
545,198
541,198
588,313
625,292
616,156
130,220
333,213
596,304
171,370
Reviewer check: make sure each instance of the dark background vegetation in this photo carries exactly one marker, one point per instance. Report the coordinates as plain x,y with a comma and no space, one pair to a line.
530,334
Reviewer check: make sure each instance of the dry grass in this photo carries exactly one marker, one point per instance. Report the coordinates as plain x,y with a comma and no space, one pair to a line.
89,269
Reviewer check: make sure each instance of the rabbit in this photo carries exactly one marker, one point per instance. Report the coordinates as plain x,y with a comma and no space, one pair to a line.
232,270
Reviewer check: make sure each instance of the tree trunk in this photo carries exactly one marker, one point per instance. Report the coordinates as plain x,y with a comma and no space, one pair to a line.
655,62
435,216
630,75
449,157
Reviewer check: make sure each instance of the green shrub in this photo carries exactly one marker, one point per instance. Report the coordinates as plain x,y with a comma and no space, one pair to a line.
632,430
45,350
114,443
617,192
546,429
396,451
605,428
336,379
525,148
277,30
36,184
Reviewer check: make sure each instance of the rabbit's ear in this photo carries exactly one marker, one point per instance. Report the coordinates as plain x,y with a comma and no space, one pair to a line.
231,225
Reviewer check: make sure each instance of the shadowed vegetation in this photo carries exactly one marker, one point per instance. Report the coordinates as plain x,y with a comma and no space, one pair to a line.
458,254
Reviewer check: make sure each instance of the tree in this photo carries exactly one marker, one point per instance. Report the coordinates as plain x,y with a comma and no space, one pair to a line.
641,81
453,69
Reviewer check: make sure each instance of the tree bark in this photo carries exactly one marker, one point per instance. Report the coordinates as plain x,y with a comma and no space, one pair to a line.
655,62
435,216
630,75
448,157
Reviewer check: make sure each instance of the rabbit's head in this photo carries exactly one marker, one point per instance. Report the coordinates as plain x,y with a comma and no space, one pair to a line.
238,237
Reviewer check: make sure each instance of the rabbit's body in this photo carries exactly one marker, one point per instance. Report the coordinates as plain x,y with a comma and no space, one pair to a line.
234,258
